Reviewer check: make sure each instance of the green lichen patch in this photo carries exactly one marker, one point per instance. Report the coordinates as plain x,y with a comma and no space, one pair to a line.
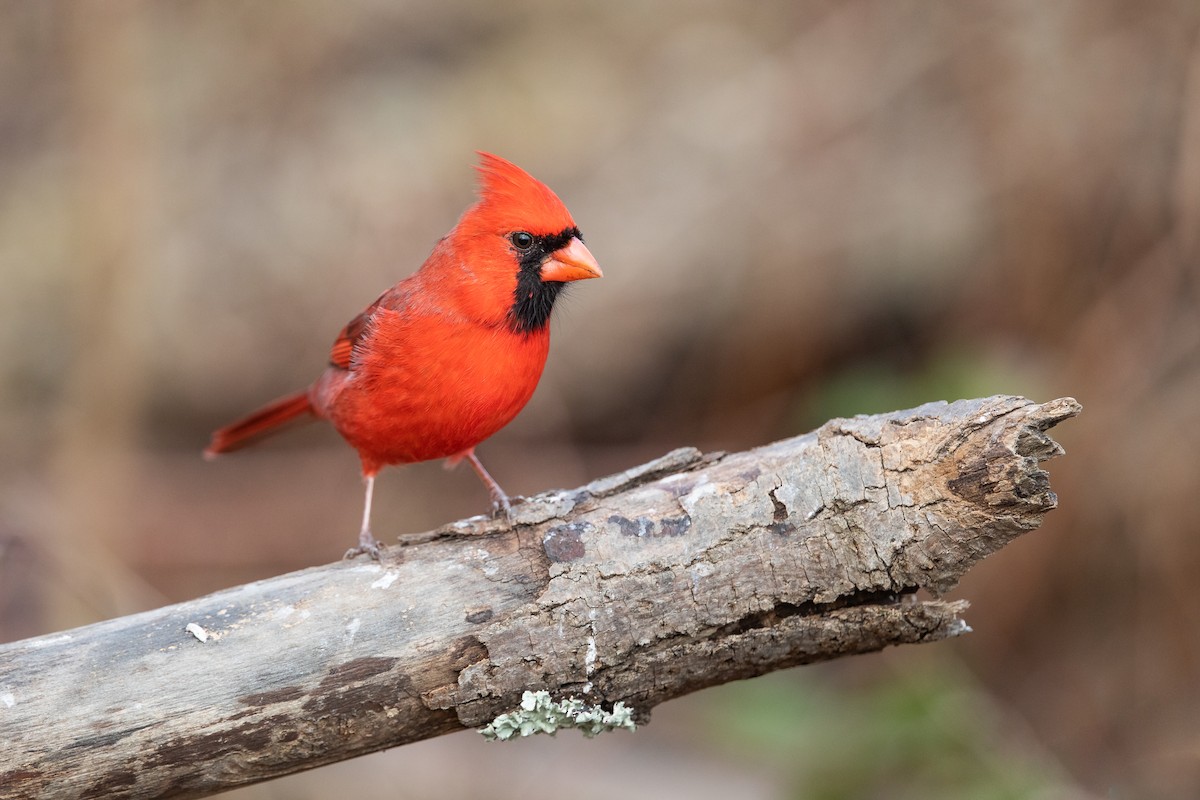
541,714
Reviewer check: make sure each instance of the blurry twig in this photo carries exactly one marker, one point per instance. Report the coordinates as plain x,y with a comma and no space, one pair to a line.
682,573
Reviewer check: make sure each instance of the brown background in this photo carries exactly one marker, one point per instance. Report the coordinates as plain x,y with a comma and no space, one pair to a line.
803,210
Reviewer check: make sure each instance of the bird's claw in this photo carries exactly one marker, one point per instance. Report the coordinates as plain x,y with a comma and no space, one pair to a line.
367,545
502,508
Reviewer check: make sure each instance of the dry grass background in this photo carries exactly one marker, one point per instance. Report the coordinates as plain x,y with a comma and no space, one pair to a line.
802,210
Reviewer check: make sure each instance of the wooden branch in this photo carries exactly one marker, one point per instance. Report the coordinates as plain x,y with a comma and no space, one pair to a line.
688,571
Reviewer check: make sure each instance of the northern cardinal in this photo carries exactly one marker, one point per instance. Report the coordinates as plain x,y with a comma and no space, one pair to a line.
451,354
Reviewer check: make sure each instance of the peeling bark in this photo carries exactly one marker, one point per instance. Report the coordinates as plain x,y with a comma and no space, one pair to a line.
686,572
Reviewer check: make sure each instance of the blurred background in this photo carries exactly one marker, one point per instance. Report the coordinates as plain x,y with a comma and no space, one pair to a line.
803,210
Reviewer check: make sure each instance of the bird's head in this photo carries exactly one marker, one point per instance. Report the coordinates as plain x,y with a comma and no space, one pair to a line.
519,247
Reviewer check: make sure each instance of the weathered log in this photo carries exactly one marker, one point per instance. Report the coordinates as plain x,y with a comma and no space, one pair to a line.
688,571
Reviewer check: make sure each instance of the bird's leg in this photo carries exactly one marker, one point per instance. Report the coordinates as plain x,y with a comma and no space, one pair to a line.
366,542
499,498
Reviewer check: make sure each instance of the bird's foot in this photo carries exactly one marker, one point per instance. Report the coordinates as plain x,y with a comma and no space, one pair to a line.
501,507
367,545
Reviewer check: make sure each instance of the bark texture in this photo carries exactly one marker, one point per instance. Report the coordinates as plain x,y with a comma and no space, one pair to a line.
685,572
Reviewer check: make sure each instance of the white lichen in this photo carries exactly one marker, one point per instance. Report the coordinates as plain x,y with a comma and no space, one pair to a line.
387,580
197,631
958,627
589,657
540,714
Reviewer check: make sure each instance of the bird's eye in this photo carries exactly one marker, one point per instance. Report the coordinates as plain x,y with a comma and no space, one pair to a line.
522,241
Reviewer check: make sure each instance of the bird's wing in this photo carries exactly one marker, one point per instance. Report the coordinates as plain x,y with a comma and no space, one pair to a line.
351,337
343,347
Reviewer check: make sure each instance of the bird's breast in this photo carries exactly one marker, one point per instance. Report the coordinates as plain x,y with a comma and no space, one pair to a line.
430,388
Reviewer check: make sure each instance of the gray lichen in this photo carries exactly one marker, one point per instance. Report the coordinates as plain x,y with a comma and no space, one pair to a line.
540,714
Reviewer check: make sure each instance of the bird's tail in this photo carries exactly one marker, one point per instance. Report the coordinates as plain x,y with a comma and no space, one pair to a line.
268,420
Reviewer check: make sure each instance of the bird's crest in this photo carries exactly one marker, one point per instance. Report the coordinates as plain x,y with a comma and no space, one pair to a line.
507,192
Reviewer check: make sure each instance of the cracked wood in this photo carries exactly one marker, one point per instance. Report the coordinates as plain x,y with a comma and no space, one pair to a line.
685,572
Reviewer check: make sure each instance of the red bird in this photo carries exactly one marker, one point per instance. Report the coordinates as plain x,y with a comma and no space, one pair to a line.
451,354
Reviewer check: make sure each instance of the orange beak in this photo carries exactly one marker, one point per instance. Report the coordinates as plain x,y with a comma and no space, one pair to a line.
570,263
